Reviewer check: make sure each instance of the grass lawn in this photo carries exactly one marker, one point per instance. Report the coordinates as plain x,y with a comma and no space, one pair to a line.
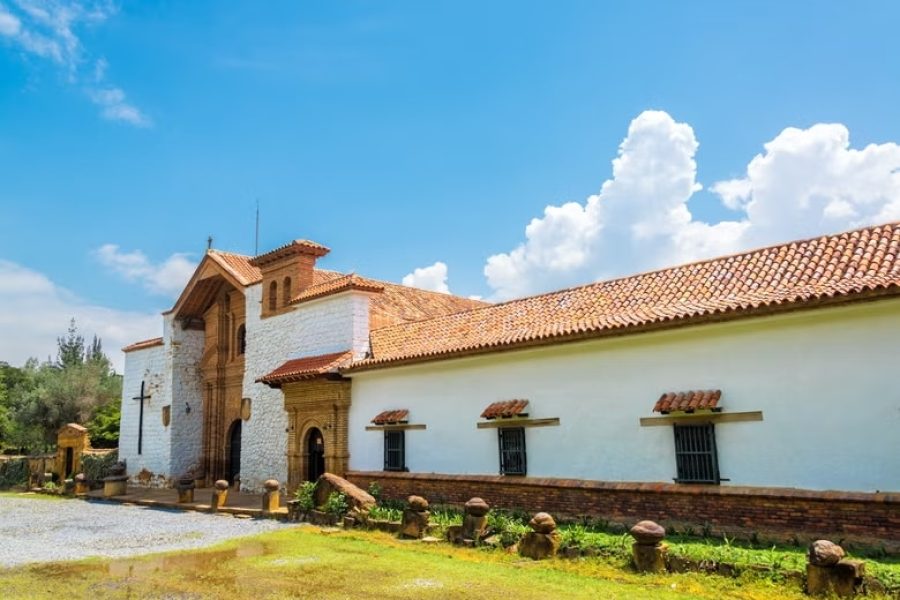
309,562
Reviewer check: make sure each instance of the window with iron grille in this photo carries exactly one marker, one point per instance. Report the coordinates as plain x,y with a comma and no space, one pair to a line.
394,451
512,451
695,454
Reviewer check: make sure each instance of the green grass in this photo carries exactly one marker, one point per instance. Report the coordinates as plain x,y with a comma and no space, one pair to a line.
308,562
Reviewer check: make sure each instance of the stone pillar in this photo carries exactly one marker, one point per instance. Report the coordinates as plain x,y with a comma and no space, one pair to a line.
543,541
648,552
81,485
185,488
415,518
116,484
828,573
219,495
271,499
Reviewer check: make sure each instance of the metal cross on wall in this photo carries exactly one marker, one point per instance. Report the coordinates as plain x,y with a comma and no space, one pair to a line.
141,399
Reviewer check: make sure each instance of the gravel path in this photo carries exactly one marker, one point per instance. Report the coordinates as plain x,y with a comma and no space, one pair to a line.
36,530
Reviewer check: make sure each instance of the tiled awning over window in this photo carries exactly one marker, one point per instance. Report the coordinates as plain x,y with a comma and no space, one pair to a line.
688,401
306,368
506,409
390,417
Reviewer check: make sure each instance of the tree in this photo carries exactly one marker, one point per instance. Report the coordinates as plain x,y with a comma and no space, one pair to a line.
71,348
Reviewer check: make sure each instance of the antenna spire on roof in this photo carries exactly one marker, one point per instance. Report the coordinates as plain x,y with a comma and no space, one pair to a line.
209,241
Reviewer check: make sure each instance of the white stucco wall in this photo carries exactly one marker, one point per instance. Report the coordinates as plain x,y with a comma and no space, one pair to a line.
826,381
321,326
187,393
148,365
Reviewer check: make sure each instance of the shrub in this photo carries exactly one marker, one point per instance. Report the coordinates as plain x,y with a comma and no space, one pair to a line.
383,513
13,473
96,466
336,505
375,490
306,495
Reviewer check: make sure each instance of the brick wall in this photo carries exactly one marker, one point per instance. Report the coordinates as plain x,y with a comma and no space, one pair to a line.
777,512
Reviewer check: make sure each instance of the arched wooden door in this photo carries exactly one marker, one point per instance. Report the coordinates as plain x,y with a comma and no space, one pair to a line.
234,451
315,454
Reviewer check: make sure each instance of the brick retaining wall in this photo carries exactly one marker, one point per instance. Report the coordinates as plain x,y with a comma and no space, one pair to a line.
777,512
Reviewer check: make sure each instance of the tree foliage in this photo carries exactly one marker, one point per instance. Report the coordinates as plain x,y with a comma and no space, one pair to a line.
39,398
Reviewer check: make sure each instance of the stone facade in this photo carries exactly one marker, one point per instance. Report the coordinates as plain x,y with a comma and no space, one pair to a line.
326,325
150,366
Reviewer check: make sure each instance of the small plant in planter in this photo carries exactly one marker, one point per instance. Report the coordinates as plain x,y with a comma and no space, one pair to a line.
304,499
336,506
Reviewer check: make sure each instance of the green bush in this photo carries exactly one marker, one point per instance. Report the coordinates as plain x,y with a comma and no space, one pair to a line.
336,505
306,495
375,490
13,473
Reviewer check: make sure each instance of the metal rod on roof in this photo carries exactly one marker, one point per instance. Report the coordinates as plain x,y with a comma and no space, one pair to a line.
256,242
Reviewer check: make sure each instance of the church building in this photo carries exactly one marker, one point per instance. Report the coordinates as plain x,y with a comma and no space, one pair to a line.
753,391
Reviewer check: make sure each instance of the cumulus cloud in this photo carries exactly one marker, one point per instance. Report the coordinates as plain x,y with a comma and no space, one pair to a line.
47,29
167,278
34,311
433,277
805,183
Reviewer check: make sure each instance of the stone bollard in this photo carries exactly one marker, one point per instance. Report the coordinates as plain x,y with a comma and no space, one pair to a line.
271,498
415,518
219,495
648,552
475,521
116,483
543,541
185,488
828,573
81,485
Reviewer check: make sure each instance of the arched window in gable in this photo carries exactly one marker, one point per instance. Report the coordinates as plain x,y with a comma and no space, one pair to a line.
242,339
287,291
273,296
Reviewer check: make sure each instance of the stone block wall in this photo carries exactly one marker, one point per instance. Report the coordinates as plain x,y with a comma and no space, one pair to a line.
316,327
777,512
187,398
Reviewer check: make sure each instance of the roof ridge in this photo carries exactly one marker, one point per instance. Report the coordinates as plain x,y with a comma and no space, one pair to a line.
639,274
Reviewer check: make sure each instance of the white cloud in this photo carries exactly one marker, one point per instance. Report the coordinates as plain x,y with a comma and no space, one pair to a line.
34,311
116,108
807,182
433,277
168,277
47,29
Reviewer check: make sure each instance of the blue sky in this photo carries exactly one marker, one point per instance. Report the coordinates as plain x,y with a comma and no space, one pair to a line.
402,134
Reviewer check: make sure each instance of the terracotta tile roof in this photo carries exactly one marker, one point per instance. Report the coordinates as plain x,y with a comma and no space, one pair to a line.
831,269
307,367
290,249
391,303
340,283
688,401
505,409
238,265
143,344
391,416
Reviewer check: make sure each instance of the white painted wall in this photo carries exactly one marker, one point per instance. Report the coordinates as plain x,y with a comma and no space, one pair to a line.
826,381
187,392
329,324
148,365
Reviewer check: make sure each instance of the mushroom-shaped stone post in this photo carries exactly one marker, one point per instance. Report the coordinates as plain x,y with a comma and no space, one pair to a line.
116,483
185,487
475,520
828,573
543,541
648,552
415,518
271,498
219,495
81,484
